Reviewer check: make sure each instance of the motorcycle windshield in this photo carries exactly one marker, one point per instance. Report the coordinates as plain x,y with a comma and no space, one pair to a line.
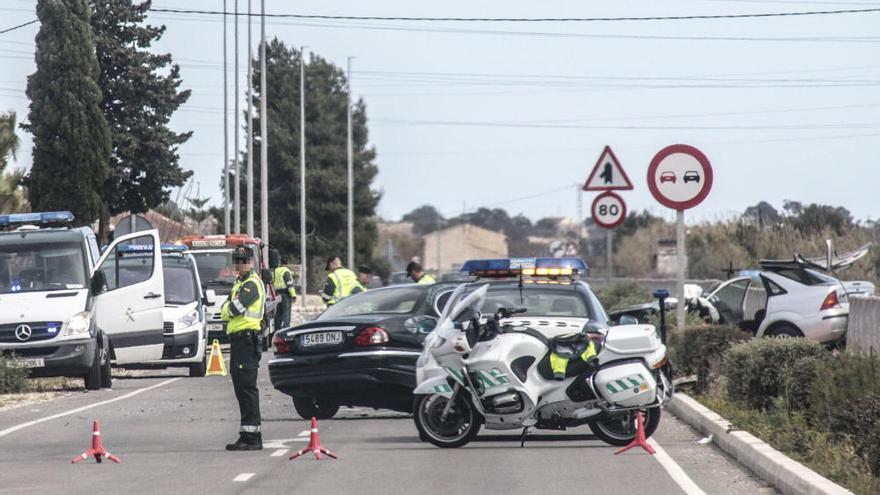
460,308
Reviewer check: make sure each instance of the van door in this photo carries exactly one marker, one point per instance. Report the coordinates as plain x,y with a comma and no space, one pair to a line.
127,286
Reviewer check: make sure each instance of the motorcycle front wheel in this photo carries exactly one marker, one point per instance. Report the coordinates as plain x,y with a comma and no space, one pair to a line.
460,426
620,429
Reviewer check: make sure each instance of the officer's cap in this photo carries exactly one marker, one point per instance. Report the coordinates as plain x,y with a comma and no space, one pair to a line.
242,254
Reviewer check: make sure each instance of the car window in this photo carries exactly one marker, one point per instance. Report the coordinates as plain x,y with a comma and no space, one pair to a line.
122,269
180,284
731,296
399,301
805,276
442,299
773,289
29,267
540,302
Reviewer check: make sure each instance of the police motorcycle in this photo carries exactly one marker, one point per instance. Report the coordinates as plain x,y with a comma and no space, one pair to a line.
476,371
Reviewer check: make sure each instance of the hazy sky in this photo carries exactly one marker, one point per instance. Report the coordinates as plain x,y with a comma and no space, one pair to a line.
514,114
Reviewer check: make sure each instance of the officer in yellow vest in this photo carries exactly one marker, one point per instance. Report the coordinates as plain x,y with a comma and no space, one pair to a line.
418,275
283,283
341,282
244,313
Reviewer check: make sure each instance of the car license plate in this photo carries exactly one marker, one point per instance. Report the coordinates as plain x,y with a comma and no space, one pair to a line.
29,362
215,327
321,338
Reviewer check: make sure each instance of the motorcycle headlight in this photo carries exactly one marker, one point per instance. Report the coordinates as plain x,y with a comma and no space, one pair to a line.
188,319
79,324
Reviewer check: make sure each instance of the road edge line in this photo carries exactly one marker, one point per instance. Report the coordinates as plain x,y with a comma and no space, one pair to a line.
675,471
784,473
13,429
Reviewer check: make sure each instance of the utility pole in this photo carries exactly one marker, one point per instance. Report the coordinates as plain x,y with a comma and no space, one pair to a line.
250,128
264,141
235,163
681,269
302,175
350,177
226,210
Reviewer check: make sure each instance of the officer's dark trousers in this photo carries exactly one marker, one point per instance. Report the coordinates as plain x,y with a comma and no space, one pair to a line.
282,312
244,363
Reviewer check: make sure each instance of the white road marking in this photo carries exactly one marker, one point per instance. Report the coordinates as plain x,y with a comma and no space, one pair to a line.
279,453
675,471
305,433
22,426
243,477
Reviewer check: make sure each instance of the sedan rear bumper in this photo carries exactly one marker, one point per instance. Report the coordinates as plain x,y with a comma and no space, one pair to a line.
383,378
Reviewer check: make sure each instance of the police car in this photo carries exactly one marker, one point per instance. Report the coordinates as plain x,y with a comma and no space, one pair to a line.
63,310
184,322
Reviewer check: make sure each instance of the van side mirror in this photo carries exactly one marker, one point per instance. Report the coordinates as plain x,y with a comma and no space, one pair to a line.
210,297
98,283
427,326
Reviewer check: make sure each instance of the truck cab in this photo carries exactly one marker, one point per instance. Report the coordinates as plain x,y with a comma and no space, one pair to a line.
213,255
64,308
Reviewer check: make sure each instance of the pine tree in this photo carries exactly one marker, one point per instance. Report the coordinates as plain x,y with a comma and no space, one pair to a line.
141,92
326,161
71,139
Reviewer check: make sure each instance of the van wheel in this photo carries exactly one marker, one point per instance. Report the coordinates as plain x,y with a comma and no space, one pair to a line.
92,379
197,370
106,371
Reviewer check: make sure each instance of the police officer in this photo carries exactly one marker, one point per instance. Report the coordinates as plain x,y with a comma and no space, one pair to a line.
417,274
341,282
243,311
284,287
365,277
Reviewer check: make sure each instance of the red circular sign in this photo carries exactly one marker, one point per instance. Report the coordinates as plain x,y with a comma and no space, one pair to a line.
608,210
680,177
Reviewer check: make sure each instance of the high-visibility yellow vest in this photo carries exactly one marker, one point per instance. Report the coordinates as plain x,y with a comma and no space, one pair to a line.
426,279
280,285
344,282
559,363
252,316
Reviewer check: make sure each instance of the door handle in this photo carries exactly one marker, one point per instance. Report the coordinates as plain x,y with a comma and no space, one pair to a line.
152,295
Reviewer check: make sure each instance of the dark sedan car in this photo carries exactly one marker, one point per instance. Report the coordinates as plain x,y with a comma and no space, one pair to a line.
360,352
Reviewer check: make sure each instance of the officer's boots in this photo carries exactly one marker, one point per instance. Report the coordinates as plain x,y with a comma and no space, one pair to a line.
247,441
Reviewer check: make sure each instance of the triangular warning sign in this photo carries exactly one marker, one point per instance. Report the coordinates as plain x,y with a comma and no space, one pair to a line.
216,365
608,174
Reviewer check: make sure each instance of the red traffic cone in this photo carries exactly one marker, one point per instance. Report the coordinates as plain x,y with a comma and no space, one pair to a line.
639,440
314,445
97,449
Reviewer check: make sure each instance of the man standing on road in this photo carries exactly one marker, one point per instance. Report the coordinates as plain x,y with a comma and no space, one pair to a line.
243,311
284,287
341,282
417,274
365,277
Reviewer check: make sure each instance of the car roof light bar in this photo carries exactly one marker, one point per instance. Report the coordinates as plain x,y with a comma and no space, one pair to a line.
43,219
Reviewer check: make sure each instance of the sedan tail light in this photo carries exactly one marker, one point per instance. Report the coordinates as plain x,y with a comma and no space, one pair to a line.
831,301
371,336
281,345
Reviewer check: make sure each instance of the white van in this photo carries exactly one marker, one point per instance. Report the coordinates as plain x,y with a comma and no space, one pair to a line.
63,309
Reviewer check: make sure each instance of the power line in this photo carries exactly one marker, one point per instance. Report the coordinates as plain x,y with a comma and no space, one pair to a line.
536,125
525,19
13,28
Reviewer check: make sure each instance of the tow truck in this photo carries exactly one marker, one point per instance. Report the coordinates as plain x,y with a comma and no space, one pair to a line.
213,254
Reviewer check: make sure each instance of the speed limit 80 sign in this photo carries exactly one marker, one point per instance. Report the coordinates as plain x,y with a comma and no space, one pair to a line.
609,210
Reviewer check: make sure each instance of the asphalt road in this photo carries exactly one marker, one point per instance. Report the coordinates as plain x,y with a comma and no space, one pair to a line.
170,432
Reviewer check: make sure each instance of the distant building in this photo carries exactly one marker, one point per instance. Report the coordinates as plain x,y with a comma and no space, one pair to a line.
446,250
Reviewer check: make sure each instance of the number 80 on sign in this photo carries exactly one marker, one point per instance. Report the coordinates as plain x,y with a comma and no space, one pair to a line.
609,210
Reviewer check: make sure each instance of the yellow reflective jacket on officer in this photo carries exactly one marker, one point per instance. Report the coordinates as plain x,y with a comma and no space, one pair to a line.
280,282
243,317
344,283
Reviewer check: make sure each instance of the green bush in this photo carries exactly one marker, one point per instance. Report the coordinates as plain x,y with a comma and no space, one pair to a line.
699,350
762,370
859,419
623,294
13,379
849,379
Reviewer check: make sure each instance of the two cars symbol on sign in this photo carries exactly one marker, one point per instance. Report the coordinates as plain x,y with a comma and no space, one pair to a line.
680,177
609,210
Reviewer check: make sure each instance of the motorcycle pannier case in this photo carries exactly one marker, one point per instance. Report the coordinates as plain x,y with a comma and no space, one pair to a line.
626,384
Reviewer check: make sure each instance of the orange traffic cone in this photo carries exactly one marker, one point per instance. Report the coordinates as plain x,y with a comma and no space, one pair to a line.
97,451
639,440
314,445
216,365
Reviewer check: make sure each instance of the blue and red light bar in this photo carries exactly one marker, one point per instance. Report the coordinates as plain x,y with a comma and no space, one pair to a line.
148,248
533,267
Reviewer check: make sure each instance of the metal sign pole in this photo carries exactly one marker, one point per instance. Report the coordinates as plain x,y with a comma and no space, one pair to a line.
609,254
681,254
302,176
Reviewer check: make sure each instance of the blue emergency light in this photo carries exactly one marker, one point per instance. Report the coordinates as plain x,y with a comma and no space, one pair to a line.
534,267
37,218
148,248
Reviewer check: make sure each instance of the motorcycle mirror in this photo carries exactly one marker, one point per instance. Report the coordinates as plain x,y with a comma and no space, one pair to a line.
628,320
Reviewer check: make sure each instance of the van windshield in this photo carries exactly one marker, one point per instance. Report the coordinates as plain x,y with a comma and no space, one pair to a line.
217,268
35,267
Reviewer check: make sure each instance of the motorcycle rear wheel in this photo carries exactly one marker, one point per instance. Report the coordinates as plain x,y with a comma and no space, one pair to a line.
460,427
620,429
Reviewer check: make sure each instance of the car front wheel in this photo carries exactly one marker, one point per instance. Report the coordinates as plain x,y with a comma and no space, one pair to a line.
312,407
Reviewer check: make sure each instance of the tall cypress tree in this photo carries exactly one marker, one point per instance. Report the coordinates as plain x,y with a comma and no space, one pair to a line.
141,92
71,138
